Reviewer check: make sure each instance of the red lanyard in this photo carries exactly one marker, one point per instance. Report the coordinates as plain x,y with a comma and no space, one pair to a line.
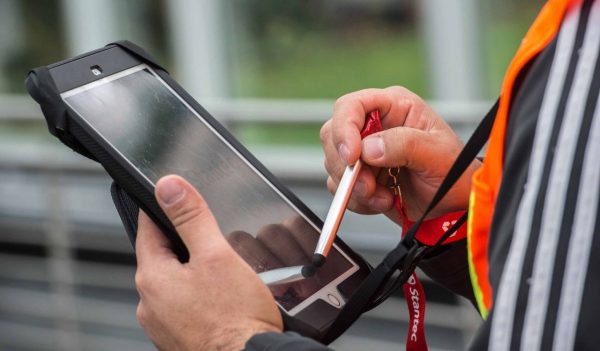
428,234
415,300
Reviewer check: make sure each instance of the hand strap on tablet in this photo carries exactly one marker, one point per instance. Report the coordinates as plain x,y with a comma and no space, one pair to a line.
405,257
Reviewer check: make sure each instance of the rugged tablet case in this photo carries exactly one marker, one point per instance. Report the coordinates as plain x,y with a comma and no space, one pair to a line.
129,192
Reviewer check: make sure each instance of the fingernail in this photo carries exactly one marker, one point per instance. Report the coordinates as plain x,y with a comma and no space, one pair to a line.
380,203
344,153
170,191
360,187
373,147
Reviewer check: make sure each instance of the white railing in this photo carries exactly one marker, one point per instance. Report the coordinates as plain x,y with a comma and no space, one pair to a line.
23,108
46,297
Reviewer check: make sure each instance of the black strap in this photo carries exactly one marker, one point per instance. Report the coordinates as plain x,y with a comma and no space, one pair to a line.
406,255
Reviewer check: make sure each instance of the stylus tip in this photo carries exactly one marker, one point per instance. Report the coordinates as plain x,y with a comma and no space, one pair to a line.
308,271
318,260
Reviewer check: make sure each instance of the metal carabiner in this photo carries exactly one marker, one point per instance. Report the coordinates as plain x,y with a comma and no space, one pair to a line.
394,185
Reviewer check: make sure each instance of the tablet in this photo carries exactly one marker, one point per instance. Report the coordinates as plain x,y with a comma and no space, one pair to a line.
140,125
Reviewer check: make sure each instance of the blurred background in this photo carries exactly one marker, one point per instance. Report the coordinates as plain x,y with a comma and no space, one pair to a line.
270,71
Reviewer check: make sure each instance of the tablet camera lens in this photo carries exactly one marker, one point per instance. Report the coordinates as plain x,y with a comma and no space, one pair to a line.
96,70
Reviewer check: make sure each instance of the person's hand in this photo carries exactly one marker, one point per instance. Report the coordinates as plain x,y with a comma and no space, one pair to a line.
215,301
415,138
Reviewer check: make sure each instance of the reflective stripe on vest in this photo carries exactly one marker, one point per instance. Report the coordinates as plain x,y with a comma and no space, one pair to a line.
486,181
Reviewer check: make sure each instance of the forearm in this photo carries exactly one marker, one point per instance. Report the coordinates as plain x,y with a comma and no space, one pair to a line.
283,341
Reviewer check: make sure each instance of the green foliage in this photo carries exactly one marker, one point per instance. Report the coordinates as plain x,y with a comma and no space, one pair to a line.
320,67
321,49
278,133
507,25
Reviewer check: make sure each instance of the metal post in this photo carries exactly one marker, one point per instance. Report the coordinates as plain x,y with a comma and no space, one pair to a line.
451,34
11,32
90,24
198,46
61,268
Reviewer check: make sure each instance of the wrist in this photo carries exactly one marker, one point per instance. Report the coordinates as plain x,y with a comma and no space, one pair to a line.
235,338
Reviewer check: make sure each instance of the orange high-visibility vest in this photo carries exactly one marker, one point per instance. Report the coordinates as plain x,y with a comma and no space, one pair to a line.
486,181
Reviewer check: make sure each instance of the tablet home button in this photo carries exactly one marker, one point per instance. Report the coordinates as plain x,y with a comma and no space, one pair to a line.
334,300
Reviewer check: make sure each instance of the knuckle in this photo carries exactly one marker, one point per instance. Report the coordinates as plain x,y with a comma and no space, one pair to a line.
341,101
333,168
406,100
330,184
140,280
406,144
187,212
411,99
325,132
143,283
329,168
140,314
398,90
404,95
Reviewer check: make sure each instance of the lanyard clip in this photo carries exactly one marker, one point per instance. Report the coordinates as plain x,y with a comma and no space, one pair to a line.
413,257
394,183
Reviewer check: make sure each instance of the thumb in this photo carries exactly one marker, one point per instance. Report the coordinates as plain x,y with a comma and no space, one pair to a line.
189,214
399,147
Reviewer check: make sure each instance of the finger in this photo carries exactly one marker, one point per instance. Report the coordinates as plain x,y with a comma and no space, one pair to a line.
190,215
382,199
406,110
361,205
400,147
365,184
349,117
334,167
331,185
363,187
253,252
333,163
378,198
280,241
151,245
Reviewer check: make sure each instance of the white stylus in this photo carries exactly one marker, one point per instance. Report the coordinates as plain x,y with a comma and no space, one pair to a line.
336,213
328,233
284,275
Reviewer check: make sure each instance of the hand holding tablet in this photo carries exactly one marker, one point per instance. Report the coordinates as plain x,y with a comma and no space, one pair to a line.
136,121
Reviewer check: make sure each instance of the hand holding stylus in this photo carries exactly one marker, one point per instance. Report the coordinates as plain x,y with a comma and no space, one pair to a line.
338,206
332,221
414,138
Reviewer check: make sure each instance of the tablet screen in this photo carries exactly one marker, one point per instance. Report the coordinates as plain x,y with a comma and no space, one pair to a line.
159,134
